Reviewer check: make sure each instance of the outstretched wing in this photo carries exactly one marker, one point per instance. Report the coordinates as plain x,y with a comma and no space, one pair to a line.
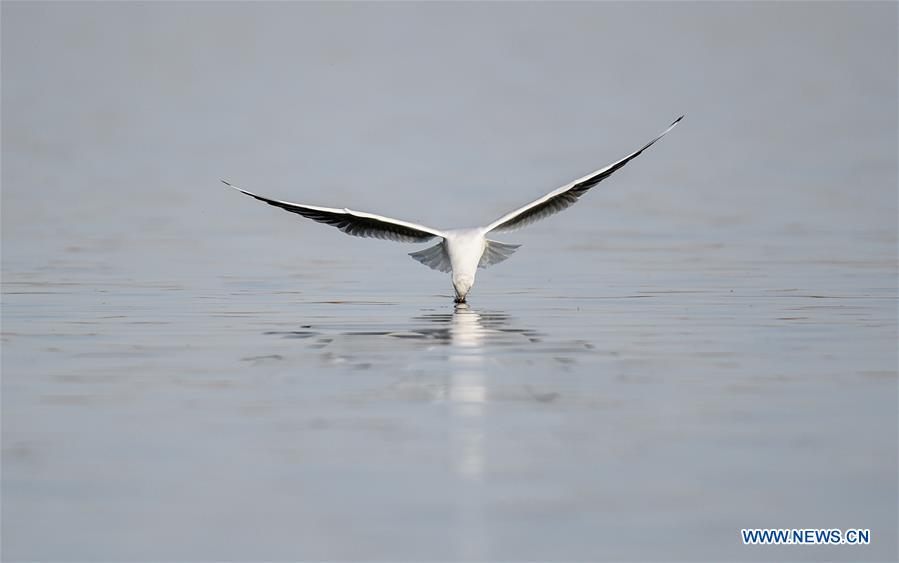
356,223
565,196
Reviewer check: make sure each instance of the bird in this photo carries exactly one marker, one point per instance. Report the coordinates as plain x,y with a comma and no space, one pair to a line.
459,252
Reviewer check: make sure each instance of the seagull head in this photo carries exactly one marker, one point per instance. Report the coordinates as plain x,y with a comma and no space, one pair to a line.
462,284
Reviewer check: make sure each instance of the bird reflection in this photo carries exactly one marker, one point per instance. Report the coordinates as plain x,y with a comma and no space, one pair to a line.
458,348
467,328
463,328
468,402
466,391
472,338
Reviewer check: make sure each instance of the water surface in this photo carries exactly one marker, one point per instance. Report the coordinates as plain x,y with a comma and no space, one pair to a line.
704,343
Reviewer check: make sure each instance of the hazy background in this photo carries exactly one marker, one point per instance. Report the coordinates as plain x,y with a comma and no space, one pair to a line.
706,342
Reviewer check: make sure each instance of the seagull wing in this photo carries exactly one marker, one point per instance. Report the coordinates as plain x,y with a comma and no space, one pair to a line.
565,196
356,223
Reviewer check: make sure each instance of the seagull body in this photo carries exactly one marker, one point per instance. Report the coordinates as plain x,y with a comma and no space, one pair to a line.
460,251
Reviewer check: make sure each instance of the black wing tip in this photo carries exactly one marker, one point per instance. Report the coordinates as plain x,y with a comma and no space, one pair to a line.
676,121
230,185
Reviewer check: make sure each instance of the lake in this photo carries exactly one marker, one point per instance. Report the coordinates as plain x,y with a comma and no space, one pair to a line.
706,342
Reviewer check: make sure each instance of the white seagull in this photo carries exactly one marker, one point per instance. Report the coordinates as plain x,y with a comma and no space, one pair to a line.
460,251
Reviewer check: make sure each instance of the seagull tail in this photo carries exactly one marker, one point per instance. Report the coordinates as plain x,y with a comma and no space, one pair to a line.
496,252
434,257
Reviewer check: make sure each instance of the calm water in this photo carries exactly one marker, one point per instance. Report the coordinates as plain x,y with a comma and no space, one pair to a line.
706,342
